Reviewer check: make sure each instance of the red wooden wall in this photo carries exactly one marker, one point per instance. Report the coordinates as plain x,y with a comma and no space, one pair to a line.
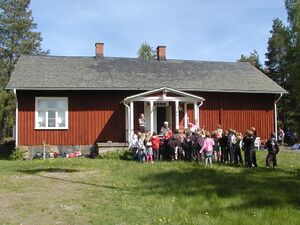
238,111
100,116
93,116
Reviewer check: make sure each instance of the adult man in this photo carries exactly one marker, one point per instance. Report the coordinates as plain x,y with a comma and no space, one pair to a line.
142,123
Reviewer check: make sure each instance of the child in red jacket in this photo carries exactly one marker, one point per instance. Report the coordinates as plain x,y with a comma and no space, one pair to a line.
155,145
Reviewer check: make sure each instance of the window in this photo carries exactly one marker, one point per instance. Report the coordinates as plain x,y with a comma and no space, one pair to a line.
51,113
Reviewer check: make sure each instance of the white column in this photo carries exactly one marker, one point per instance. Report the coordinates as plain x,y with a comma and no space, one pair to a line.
131,127
151,117
177,114
185,116
127,123
196,113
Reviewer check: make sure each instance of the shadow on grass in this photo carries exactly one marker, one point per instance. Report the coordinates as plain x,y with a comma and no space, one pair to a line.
255,188
37,172
49,170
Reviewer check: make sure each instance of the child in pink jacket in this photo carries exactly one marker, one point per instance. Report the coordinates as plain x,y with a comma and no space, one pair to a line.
208,147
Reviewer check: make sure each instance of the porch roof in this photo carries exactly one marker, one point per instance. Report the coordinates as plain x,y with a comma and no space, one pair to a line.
188,96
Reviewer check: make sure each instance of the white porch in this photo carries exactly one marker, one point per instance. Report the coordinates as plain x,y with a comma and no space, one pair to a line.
158,106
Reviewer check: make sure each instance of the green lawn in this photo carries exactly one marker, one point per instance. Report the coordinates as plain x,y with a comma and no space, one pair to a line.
112,191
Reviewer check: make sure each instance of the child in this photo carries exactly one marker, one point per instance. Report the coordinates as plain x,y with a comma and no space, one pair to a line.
148,147
134,146
219,131
238,155
224,147
273,149
155,141
149,152
208,149
141,147
217,148
233,142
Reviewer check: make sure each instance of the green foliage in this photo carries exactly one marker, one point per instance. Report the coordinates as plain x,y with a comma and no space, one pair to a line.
118,154
17,154
277,55
283,64
278,66
293,11
7,148
7,112
17,36
253,59
146,51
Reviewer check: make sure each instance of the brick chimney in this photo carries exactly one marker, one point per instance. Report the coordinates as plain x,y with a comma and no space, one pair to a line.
161,53
99,47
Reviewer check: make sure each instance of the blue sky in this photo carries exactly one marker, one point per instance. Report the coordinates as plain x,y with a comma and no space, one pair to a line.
217,30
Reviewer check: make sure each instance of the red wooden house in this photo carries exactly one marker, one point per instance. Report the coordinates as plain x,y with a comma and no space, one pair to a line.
78,101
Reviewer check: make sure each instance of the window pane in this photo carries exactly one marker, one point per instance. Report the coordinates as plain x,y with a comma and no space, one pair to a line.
51,118
41,119
52,103
61,121
51,112
61,105
42,105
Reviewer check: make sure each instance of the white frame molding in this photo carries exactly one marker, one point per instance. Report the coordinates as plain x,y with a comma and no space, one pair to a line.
36,127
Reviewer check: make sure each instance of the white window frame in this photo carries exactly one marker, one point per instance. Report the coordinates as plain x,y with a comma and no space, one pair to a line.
51,128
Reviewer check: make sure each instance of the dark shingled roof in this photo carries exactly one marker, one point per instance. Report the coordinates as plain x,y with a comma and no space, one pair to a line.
91,73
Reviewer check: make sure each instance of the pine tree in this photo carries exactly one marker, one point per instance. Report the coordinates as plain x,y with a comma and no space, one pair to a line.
253,59
277,55
278,66
17,36
293,11
146,51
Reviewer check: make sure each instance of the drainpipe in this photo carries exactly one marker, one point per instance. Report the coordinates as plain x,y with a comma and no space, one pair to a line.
128,121
275,115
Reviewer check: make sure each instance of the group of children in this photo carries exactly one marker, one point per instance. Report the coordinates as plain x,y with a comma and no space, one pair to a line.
221,146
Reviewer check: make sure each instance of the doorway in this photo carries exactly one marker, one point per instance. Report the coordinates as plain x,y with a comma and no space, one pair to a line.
161,117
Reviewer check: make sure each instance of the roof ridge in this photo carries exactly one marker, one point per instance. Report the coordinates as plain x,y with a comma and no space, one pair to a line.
129,58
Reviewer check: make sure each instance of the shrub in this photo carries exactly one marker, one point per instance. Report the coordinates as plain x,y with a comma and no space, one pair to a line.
7,148
118,154
17,154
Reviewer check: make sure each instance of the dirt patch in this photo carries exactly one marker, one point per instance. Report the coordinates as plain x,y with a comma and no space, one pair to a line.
43,198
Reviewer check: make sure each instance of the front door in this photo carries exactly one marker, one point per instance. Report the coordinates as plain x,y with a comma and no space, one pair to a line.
161,117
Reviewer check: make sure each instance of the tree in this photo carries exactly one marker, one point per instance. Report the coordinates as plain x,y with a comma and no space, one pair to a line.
253,59
16,33
17,36
277,64
277,55
293,11
146,51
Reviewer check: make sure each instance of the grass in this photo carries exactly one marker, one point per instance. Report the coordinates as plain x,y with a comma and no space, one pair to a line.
112,191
